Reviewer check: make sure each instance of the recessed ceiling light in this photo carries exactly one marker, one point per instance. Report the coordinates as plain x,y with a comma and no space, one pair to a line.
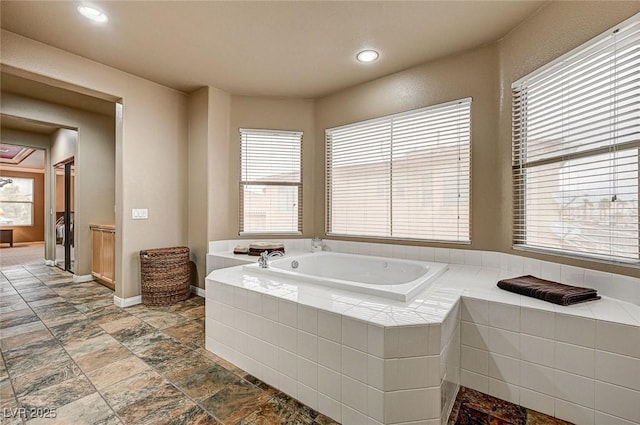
367,56
92,13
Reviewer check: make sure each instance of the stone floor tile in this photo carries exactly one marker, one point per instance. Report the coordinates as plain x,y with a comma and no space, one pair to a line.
16,318
79,330
191,333
162,319
45,376
275,412
88,410
190,363
25,358
236,401
58,395
205,382
163,351
24,339
117,371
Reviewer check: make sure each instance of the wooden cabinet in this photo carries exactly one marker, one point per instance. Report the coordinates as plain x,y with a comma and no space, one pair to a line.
103,254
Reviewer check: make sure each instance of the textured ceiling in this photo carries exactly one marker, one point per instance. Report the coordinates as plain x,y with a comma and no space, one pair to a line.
302,49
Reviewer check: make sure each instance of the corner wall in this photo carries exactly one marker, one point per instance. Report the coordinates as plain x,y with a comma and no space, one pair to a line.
208,173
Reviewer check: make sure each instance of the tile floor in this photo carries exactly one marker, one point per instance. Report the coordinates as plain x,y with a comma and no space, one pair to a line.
67,347
475,408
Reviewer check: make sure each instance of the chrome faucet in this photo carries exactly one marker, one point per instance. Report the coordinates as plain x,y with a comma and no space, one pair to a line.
263,261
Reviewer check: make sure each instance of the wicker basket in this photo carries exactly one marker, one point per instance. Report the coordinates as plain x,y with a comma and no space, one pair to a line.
165,275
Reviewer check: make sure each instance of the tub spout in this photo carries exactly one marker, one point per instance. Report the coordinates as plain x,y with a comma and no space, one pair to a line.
263,261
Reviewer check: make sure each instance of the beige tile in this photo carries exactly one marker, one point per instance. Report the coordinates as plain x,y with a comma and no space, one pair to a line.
88,410
45,376
58,395
121,324
24,339
116,371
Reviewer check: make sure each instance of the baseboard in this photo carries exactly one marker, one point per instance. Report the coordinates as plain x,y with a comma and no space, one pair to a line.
49,262
82,278
127,302
198,291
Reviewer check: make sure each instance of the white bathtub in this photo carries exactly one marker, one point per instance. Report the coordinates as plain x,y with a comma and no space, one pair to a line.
385,277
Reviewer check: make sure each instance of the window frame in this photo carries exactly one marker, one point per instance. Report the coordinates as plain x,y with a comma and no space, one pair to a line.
31,203
390,188
243,184
520,163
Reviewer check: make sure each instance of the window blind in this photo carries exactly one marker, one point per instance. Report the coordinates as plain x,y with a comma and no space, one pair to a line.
404,176
576,143
270,182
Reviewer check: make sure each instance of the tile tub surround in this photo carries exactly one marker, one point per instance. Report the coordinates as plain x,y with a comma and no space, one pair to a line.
357,359
567,364
220,255
475,282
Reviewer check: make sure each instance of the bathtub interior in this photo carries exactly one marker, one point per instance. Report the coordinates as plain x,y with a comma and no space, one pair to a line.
355,268
395,279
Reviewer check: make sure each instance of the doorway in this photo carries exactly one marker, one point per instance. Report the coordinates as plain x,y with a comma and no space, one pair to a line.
65,212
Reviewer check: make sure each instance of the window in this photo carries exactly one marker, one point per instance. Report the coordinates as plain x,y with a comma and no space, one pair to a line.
16,201
404,176
270,182
576,143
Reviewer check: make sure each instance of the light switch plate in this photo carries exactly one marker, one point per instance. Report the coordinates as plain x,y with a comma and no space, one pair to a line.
139,213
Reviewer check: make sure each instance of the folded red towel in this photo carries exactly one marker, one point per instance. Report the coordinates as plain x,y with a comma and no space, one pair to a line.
547,290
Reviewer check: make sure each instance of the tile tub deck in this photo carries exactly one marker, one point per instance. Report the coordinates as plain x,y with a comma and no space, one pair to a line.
362,359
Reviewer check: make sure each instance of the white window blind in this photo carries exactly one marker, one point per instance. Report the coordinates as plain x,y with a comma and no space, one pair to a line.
404,176
576,143
270,182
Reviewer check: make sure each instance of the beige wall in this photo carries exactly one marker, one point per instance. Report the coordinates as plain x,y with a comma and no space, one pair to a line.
34,233
472,74
198,177
64,145
219,165
94,163
208,173
273,114
151,148
551,32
